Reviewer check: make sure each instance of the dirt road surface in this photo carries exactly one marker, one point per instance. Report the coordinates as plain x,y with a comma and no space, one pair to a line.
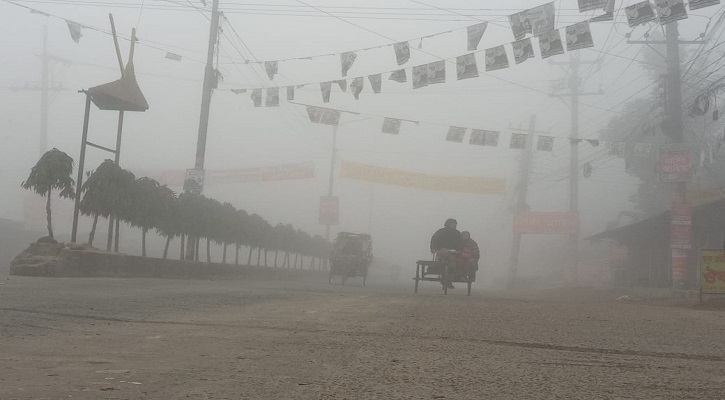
165,339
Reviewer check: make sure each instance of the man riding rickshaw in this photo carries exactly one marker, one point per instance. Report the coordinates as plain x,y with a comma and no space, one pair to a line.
351,256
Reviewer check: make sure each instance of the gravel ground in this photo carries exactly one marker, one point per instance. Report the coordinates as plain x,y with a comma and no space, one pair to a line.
166,339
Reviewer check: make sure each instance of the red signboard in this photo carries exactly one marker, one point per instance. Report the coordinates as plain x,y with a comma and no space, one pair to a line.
329,210
550,222
674,163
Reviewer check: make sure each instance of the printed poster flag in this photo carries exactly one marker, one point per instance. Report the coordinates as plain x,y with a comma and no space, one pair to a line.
541,18
496,58
420,76
172,56
239,91
346,60
579,36
402,52
518,141
290,92
272,99
523,50
475,33
391,125
271,68
375,81
466,67
550,44
398,76
324,116
589,5
343,84
437,72
356,86
520,24
545,143
482,137
75,30
608,13
257,97
616,148
670,10
456,134
642,149
641,13
698,4
325,88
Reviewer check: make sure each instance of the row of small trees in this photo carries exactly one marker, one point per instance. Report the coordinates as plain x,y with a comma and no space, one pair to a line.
112,192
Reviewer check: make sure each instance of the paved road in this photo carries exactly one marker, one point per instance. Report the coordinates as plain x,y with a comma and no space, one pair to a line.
164,339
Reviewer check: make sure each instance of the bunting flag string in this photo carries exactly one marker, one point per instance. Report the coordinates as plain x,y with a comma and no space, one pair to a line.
480,137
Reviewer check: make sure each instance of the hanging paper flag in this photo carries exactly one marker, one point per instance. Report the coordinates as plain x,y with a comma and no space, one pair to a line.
272,99
593,142
670,10
588,5
482,137
641,13
75,30
324,116
456,134
575,141
520,24
402,52
518,141
437,72
391,125
477,137
257,97
375,81
697,4
39,12
616,148
347,59
608,13
343,84
496,58
325,88
475,33
587,170
550,44
420,76
290,92
271,68
545,143
642,149
466,66
239,91
356,86
541,18
172,56
579,36
398,76
523,50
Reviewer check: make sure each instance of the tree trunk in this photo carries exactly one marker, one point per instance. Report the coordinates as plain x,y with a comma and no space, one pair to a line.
236,255
249,257
259,254
93,230
117,237
143,242
196,249
297,256
166,247
109,239
182,256
285,262
48,215
224,257
276,253
312,260
208,251
265,257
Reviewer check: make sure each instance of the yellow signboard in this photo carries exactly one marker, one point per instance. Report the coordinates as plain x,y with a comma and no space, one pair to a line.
712,271
443,183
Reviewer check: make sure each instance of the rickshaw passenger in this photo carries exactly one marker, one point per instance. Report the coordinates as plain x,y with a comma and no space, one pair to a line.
470,253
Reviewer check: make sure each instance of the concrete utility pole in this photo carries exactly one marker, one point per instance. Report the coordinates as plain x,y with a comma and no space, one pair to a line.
331,181
575,84
674,124
209,79
520,205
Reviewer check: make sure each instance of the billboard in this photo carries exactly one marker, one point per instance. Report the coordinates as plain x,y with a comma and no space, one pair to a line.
546,222
712,271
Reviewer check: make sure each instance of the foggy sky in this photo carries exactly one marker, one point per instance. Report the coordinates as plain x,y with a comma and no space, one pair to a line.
401,219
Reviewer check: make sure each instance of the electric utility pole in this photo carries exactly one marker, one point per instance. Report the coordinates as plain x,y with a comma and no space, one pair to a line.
575,84
209,79
520,205
674,128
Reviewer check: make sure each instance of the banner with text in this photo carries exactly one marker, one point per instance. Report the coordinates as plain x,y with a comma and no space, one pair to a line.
546,222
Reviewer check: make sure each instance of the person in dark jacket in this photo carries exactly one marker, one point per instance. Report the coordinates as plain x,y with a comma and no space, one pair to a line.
444,240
